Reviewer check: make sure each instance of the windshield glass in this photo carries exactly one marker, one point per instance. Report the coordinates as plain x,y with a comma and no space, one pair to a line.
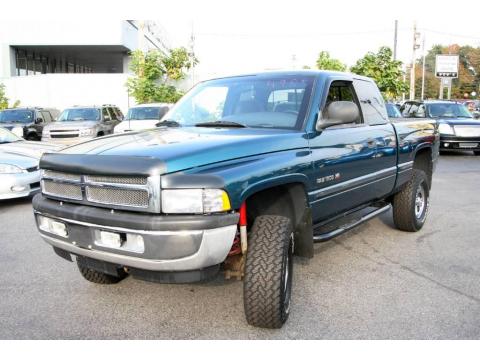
393,111
276,102
447,110
20,116
80,114
8,137
147,113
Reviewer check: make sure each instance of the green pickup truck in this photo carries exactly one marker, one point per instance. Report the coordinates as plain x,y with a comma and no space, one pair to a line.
239,176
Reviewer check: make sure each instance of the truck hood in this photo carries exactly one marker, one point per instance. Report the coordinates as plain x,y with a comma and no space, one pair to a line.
189,147
134,125
459,121
67,125
30,149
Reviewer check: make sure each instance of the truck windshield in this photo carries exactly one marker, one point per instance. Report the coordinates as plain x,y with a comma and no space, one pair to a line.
147,113
447,110
18,116
250,101
80,114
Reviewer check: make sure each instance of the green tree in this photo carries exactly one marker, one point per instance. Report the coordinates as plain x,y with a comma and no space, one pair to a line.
156,74
325,62
386,72
4,99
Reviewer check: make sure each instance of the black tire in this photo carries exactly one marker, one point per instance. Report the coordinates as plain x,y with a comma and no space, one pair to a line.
408,212
477,153
268,272
98,277
32,137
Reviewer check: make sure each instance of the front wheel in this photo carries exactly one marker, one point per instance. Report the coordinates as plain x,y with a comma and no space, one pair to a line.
410,206
477,153
268,272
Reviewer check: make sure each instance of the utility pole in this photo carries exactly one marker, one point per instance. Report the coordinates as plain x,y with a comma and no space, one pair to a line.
395,41
192,54
423,69
416,36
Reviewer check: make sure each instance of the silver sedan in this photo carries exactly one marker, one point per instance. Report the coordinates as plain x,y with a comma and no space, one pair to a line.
19,172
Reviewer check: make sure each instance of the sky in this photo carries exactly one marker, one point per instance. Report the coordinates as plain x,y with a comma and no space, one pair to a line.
234,37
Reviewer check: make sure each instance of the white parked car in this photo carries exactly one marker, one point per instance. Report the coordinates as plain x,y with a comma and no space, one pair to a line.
144,116
19,172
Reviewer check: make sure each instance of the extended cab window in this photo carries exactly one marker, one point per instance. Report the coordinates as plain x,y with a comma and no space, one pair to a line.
371,102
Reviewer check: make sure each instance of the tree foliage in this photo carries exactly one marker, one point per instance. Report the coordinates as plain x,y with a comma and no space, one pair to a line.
468,75
386,72
325,62
156,74
4,99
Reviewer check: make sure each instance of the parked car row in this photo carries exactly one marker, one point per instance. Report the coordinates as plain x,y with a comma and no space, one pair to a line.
79,123
459,128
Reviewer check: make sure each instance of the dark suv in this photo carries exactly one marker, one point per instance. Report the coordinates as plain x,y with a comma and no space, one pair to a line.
459,131
28,122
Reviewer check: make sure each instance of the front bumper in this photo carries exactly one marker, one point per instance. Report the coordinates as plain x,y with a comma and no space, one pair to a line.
457,143
19,185
171,243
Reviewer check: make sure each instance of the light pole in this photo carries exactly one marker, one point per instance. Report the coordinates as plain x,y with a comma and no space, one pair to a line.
416,36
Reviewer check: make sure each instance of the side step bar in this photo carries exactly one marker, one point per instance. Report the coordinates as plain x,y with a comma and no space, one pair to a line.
344,228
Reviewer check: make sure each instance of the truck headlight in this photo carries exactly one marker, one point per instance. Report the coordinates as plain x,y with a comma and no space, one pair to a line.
445,129
10,169
18,131
87,132
194,201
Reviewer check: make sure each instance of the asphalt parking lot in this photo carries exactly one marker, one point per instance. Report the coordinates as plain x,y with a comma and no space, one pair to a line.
372,283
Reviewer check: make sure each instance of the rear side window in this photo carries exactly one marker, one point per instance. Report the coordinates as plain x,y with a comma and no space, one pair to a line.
113,114
46,116
371,102
106,115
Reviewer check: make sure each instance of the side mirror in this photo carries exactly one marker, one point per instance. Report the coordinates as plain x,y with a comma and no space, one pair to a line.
38,121
338,113
476,115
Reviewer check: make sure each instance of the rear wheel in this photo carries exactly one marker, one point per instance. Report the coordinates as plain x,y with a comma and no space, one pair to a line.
477,153
410,206
268,272
98,277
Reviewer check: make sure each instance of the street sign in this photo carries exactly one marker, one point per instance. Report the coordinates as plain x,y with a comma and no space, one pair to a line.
446,66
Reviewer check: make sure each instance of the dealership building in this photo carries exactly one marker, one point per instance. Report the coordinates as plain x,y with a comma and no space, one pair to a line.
64,63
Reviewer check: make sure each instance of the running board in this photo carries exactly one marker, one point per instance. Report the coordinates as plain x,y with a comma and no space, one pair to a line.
345,227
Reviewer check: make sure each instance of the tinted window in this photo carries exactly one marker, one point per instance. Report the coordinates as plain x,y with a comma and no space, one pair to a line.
113,114
342,91
147,113
448,110
80,114
371,102
46,116
20,116
393,111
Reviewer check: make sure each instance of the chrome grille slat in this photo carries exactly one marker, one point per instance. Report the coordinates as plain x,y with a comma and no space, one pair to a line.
467,130
134,193
61,176
115,196
127,180
62,190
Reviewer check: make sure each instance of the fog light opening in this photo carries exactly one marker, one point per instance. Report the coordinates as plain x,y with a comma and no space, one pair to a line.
120,241
51,226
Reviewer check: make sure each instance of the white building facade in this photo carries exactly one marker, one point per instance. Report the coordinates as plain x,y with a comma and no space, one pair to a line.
64,63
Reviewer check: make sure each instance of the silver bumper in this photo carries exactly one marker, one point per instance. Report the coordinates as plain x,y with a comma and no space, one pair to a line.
213,249
8,183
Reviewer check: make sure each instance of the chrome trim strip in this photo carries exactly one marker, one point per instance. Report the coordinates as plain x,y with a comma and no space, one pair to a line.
353,183
405,166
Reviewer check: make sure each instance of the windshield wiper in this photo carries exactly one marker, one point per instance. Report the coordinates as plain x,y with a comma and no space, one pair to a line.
168,123
220,123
